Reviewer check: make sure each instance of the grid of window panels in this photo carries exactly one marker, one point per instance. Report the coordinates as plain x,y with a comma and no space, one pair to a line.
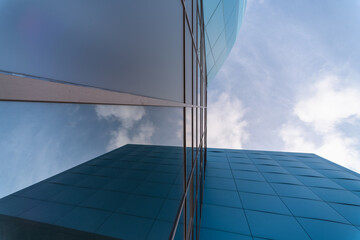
223,19
31,82
132,192
278,195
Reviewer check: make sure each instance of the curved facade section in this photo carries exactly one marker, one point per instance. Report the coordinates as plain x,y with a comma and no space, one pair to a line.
223,19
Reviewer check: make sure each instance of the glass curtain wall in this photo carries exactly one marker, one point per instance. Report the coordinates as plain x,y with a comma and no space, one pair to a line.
194,119
186,113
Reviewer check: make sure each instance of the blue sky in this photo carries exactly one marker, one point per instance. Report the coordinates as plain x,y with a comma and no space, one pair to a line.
293,78
291,83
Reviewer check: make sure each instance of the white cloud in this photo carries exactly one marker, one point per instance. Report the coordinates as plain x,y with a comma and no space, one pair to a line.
128,115
329,104
133,128
321,114
226,124
121,136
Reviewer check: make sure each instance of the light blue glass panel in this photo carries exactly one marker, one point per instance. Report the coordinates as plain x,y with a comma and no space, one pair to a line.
219,46
221,17
215,25
209,8
230,6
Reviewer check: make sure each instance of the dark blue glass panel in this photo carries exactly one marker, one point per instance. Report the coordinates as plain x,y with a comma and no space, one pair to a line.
126,227
84,219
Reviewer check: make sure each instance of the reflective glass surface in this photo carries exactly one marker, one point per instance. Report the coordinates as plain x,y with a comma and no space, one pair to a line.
281,195
127,46
223,19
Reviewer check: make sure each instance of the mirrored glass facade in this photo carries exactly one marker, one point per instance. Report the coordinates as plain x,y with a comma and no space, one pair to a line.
278,195
79,79
114,97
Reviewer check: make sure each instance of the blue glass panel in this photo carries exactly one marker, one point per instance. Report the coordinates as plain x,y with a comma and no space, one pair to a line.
350,212
265,203
153,189
337,196
254,187
224,173
141,206
176,192
287,190
108,172
272,169
85,169
275,226
14,206
224,219
230,6
230,31
47,212
73,195
169,210
105,200
220,183
222,197
281,178
209,8
351,185
93,182
122,185
66,178
41,191
84,219
312,209
240,160
318,182
211,234
240,166
247,175
215,25
219,46
126,227
318,229
267,162
339,174
221,165
161,230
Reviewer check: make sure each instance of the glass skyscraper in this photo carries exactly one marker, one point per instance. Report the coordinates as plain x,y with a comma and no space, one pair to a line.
154,60
134,192
151,61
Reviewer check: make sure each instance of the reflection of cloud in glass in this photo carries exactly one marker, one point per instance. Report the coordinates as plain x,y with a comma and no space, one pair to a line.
38,140
141,125
128,116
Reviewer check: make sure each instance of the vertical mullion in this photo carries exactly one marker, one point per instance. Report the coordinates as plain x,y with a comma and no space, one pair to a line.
184,123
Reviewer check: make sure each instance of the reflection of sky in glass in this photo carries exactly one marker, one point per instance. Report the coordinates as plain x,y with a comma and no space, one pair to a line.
39,140
132,187
222,22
